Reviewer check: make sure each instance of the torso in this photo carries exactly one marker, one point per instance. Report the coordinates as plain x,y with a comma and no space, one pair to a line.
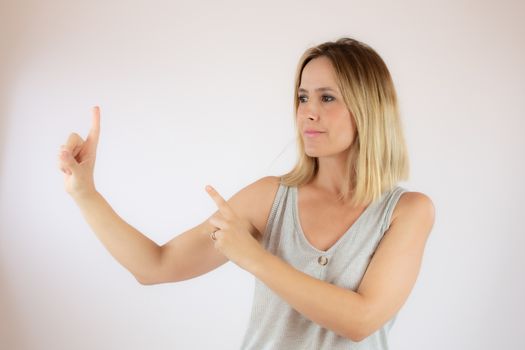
322,219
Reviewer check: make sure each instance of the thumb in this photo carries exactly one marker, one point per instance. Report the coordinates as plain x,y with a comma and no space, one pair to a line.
69,160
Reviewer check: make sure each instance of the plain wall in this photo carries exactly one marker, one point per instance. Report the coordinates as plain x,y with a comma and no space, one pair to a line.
195,93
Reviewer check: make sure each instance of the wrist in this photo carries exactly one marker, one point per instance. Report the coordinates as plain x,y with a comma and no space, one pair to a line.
84,195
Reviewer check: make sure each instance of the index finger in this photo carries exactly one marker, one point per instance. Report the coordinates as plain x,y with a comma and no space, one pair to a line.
224,207
94,132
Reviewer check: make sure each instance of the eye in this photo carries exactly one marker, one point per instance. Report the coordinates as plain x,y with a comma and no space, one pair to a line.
326,98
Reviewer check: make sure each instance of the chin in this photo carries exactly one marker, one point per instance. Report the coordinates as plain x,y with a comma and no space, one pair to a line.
313,154
320,154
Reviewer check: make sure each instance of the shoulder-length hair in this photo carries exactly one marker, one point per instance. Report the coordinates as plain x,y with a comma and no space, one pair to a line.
378,156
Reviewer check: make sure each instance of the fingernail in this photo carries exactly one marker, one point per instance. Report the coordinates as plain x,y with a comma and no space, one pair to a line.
65,154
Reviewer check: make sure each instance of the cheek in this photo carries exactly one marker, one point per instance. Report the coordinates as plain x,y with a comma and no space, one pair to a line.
350,122
345,123
345,131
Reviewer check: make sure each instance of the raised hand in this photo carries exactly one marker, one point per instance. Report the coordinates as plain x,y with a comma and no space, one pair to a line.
77,159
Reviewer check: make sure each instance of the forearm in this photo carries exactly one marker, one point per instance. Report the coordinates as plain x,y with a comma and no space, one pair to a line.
340,310
136,252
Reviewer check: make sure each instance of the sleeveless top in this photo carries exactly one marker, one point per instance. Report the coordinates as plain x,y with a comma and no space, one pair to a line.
273,323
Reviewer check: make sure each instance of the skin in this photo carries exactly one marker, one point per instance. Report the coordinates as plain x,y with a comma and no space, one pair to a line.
325,110
324,218
77,158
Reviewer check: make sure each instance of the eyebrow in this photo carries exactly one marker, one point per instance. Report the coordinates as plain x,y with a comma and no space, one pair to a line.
318,89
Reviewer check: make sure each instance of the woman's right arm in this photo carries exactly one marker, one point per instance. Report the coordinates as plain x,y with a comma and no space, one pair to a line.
187,255
133,250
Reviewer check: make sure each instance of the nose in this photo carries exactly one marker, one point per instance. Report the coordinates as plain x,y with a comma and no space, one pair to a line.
310,111
312,116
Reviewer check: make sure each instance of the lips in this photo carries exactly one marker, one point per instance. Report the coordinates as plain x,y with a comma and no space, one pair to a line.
312,133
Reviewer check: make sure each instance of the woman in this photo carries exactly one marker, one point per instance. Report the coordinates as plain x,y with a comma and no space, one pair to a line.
335,245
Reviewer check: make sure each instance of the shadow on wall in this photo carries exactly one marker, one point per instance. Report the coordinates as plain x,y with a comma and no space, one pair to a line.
6,76
10,331
10,335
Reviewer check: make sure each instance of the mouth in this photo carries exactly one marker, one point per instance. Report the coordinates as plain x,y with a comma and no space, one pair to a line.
313,133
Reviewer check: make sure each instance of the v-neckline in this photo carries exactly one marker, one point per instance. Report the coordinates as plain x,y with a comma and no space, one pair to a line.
343,236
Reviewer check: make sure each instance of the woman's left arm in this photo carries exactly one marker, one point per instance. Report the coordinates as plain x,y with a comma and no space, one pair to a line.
386,285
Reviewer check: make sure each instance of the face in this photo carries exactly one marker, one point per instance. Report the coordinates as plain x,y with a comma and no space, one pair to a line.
323,110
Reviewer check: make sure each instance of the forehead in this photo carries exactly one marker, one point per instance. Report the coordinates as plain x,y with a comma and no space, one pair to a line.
318,72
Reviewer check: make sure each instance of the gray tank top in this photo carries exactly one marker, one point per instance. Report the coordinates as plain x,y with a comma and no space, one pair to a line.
273,323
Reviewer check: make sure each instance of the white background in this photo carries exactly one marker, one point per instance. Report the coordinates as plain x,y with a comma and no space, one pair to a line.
195,93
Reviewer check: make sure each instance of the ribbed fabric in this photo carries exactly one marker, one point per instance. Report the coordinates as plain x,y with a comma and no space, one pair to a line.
274,324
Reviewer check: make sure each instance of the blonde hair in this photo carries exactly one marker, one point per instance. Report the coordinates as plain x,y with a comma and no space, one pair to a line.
378,156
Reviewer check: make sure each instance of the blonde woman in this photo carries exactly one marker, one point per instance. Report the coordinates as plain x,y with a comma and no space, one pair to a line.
335,245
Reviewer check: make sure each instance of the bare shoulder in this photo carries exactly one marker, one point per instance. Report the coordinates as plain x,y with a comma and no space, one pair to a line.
414,206
254,202
264,191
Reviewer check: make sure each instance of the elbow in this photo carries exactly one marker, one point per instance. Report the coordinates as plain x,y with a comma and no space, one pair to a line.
362,330
151,279
357,335
145,281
